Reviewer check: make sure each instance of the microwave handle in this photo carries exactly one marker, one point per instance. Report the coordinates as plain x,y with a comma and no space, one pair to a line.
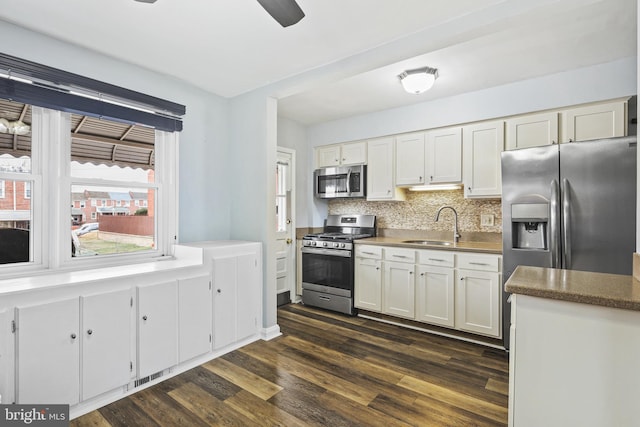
349,181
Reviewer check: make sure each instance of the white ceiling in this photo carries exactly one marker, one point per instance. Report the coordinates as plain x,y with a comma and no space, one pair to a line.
347,53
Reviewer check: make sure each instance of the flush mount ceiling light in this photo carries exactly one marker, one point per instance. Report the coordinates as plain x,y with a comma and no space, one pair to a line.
418,80
146,1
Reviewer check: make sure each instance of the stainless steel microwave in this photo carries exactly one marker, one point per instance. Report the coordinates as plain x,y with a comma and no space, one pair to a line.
341,181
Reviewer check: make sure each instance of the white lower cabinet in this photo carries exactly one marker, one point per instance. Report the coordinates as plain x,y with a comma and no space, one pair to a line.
435,295
458,290
368,284
95,326
478,302
106,342
157,327
235,298
399,289
194,317
52,329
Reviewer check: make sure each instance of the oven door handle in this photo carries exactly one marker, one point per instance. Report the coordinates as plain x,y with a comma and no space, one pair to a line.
329,252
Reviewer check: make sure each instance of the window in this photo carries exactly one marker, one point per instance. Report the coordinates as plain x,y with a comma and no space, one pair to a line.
27,190
101,168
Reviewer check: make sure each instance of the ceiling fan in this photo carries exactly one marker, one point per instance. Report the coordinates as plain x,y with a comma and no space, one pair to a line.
286,12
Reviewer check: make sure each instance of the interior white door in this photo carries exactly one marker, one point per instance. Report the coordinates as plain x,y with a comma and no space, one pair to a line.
285,229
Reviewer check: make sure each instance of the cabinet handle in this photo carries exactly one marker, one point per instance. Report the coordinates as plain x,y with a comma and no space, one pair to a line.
436,259
219,291
478,263
411,272
400,256
469,189
420,178
90,331
73,336
462,278
431,178
377,268
144,317
368,253
388,191
422,274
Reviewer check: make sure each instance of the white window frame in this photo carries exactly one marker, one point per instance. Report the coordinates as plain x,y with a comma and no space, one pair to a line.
2,192
50,228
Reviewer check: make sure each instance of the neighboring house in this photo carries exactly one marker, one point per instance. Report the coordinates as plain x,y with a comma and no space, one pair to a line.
15,204
89,205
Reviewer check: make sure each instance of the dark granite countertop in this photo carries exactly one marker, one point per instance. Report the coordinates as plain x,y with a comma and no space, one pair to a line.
608,290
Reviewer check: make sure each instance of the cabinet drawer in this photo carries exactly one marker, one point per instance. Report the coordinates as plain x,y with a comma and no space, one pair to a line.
400,255
479,262
367,251
437,258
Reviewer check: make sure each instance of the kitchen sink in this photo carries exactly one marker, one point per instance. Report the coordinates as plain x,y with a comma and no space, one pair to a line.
429,242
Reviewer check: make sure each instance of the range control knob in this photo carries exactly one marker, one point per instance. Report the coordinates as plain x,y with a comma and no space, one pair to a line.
336,245
324,244
342,245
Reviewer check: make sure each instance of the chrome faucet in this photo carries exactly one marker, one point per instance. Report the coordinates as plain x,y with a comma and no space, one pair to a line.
456,236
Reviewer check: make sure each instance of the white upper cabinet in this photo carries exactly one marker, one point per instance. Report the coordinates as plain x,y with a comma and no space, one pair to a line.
381,170
444,156
532,130
604,120
482,145
351,153
410,167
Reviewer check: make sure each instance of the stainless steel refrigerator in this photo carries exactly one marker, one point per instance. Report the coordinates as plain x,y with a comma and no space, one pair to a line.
569,206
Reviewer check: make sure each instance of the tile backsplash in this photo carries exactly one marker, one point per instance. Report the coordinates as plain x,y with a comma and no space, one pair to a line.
418,212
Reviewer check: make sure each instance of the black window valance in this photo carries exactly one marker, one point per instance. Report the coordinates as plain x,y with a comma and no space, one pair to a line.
54,88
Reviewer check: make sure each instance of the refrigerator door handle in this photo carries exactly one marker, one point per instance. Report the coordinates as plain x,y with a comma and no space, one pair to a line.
566,224
554,226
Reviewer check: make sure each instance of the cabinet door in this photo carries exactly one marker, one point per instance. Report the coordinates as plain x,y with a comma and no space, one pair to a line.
478,302
194,317
444,156
399,289
157,327
381,170
410,168
482,145
595,121
106,342
353,153
368,284
247,295
328,156
532,130
48,353
435,295
224,300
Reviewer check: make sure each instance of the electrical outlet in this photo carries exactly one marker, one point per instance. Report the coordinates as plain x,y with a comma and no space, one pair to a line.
487,220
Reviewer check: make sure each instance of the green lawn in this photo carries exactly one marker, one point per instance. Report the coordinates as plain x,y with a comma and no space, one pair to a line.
89,245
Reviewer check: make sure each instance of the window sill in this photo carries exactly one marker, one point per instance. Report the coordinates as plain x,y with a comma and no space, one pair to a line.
185,257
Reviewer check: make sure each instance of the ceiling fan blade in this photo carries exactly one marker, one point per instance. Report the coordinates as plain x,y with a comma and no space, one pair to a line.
286,12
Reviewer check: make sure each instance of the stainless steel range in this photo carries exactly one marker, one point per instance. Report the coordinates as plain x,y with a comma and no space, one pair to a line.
328,261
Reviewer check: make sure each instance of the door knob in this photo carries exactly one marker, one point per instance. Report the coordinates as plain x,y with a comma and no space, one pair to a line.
90,331
73,336
144,317
289,241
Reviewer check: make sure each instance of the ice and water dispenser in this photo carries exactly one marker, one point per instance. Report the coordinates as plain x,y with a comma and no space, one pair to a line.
529,222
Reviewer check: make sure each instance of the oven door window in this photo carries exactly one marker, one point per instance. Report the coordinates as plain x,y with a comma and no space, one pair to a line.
327,270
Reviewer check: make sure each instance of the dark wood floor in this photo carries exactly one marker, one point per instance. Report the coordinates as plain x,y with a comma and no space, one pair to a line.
328,370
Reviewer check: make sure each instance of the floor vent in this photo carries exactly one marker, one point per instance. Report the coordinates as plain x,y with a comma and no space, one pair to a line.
145,380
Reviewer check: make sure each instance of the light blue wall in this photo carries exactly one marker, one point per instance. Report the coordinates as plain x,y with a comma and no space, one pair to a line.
204,211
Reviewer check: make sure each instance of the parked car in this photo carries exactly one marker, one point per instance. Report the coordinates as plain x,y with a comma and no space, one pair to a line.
86,228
